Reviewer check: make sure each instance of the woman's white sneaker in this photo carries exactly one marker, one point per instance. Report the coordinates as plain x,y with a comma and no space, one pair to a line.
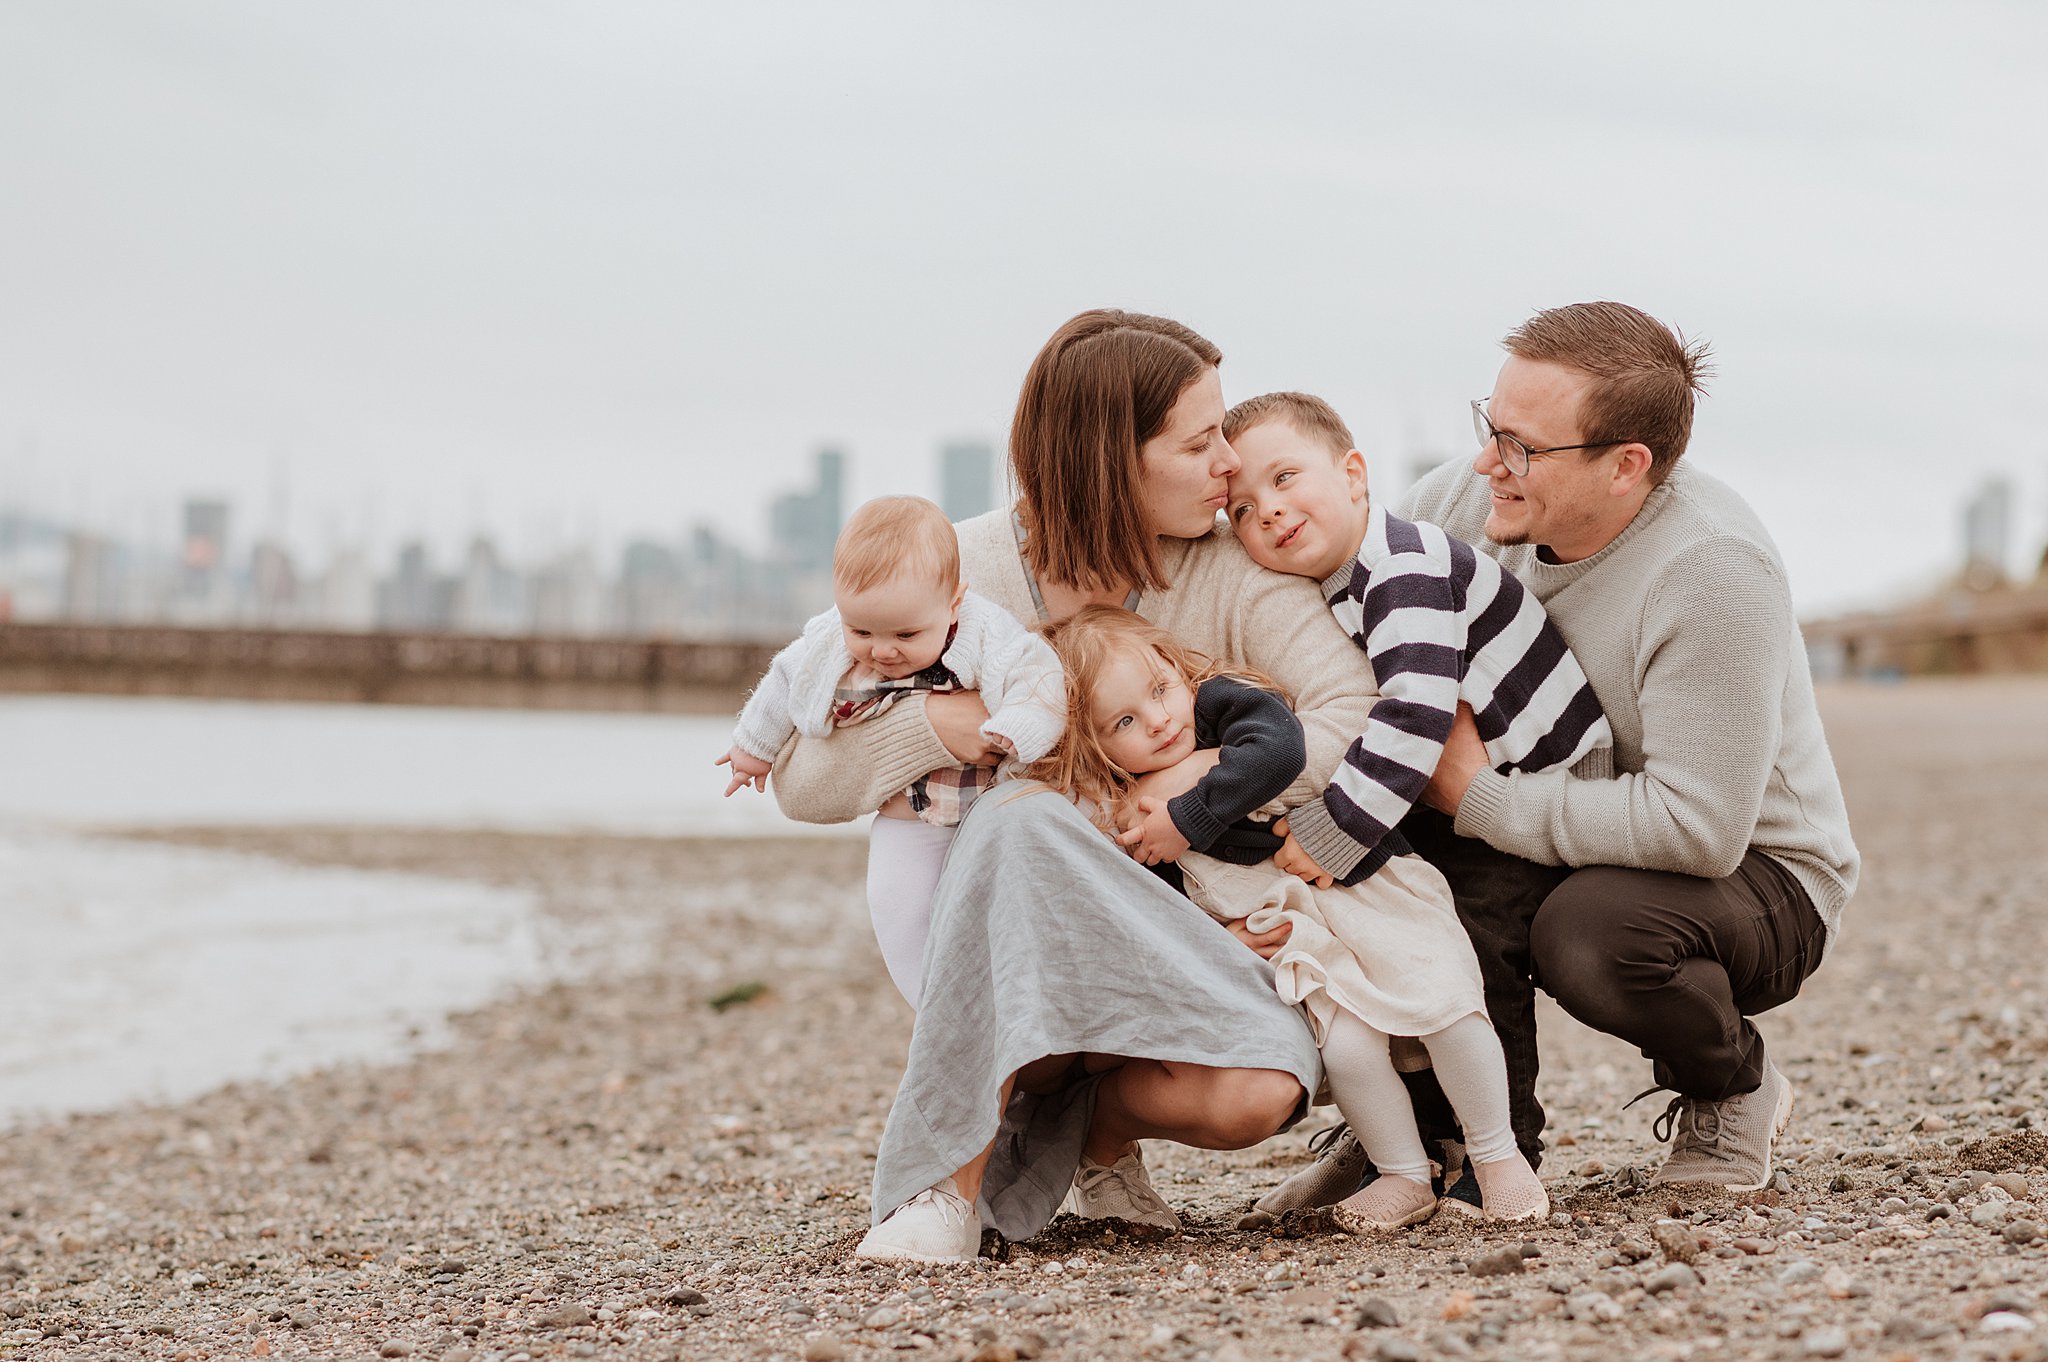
935,1226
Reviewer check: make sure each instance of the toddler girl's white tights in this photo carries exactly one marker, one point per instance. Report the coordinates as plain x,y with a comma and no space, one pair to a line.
1469,1064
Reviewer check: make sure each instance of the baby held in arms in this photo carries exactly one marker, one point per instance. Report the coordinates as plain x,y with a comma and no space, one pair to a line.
903,621
1380,958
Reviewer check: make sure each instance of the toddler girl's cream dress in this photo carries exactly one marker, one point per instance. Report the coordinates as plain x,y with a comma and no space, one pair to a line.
1389,950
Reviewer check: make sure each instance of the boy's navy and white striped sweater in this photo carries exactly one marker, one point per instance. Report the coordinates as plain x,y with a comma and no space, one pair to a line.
1441,623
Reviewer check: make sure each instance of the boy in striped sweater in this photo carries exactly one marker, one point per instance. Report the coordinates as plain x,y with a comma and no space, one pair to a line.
1440,624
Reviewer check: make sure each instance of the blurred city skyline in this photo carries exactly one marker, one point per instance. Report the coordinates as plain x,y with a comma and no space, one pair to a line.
577,278
206,569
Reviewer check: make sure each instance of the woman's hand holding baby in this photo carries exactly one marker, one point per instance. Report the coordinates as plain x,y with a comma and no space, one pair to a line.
1176,779
956,717
747,769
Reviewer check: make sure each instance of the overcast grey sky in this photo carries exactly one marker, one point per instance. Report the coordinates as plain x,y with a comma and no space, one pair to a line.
592,270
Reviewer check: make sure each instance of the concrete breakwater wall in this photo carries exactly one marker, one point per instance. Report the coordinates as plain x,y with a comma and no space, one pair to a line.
379,668
1962,633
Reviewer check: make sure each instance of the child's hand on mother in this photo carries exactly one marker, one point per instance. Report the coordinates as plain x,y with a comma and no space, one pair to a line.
1152,837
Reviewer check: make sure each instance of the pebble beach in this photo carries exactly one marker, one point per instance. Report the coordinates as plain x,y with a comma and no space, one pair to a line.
662,1150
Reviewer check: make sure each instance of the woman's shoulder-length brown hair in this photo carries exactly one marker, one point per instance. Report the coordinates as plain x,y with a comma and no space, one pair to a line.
1099,389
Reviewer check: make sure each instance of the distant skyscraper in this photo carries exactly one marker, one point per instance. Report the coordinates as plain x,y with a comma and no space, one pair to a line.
806,524
967,483
204,591
89,578
415,598
1987,533
273,584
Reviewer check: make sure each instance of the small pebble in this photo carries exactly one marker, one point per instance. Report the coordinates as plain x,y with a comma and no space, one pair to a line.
2021,1232
1377,1314
566,1317
1826,1342
2013,1185
1671,1277
1679,1242
2005,1322
823,1348
1792,1274
395,1349
882,1317
1498,1263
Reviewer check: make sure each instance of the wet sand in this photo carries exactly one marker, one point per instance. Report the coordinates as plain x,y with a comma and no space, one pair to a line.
667,1156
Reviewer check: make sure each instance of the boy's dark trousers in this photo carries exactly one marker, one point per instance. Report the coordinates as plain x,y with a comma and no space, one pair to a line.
1497,896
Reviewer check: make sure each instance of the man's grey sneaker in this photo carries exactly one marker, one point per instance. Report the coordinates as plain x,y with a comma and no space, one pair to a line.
1119,1190
935,1226
1340,1169
1725,1143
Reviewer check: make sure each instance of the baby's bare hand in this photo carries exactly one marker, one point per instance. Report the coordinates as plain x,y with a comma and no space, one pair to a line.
747,769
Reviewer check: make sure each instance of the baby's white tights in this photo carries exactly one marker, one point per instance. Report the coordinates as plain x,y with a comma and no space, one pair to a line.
905,856
1469,1065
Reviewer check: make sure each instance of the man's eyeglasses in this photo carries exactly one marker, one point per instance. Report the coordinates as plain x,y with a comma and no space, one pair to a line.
1513,452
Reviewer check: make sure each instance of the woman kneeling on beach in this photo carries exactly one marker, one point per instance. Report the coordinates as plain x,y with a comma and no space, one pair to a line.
1073,1003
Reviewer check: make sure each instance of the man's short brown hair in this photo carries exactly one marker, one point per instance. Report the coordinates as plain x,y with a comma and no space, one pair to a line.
1645,374
1310,415
1098,390
893,537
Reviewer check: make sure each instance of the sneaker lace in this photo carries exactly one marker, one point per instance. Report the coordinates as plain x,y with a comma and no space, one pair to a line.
1320,1143
953,1209
1699,1123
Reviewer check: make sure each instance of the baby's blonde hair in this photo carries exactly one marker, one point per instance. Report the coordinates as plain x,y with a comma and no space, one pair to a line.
890,537
1087,643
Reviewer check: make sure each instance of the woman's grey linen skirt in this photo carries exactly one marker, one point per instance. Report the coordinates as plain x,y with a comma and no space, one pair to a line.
1046,939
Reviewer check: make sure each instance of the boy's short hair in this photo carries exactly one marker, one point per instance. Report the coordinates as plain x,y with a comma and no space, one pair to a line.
1307,413
890,537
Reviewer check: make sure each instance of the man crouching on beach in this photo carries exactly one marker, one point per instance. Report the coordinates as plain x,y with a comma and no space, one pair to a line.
1717,860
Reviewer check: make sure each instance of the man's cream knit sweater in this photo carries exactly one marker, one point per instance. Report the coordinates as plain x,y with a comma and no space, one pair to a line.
1220,603
1684,625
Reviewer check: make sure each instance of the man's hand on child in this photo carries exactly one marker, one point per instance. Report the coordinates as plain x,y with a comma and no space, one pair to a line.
1464,756
747,769
1154,838
1292,859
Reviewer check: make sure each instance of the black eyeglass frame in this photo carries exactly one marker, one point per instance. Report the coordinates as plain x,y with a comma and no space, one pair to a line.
1488,433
